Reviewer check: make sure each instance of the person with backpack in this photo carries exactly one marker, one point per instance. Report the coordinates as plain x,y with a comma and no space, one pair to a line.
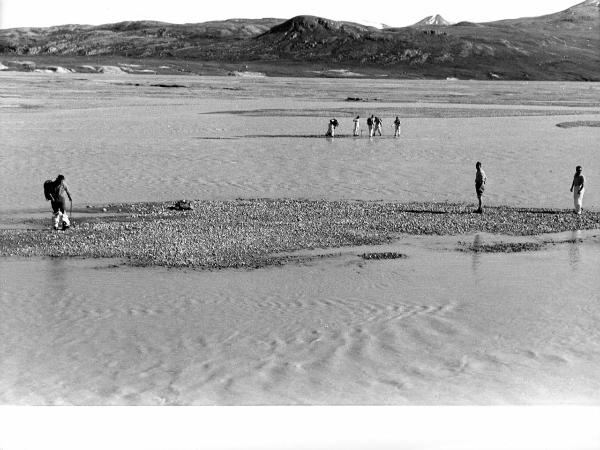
55,192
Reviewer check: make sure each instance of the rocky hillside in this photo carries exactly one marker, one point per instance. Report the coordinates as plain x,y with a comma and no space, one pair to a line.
559,46
141,39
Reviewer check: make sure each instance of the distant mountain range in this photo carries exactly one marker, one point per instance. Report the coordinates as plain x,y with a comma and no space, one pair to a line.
559,46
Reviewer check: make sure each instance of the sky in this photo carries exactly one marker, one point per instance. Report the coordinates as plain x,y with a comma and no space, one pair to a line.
43,13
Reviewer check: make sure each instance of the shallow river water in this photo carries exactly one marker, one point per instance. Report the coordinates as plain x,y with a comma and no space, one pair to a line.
439,327
123,139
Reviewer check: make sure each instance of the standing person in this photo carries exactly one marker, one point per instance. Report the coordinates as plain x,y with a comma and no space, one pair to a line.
578,189
55,192
333,123
397,130
378,125
356,126
480,180
370,125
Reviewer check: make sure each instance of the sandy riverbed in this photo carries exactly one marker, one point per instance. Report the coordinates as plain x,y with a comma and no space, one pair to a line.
469,319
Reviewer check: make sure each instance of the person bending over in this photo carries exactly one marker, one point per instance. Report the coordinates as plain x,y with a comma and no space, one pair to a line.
333,123
56,191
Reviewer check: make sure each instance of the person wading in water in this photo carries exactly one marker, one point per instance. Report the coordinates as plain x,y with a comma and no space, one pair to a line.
55,192
356,126
370,125
397,130
333,124
378,125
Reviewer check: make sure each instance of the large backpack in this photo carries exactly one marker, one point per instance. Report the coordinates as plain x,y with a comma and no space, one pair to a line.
48,188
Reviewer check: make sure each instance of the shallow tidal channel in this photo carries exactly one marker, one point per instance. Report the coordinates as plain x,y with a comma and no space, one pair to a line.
439,326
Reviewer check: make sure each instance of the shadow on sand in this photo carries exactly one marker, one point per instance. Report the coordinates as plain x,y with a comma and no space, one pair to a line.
294,136
437,211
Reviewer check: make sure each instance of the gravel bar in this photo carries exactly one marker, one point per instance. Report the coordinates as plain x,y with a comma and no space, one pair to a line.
258,232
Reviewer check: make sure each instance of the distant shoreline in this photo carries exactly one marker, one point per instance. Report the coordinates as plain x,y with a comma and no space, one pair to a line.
123,65
261,232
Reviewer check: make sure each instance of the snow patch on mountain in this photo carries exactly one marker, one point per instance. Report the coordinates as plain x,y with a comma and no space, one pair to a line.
371,23
433,20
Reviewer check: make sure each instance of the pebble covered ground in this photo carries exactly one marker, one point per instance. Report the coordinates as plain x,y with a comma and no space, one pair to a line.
259,232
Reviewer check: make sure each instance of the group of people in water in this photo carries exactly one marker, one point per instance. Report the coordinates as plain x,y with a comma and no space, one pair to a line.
374,126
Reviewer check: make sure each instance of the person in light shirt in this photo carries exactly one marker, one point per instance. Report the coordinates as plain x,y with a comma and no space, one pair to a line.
356,126
578,189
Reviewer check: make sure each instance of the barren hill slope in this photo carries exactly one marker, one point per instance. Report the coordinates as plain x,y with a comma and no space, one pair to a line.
559,46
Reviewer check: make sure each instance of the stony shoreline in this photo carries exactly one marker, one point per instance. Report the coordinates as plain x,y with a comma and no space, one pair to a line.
258,232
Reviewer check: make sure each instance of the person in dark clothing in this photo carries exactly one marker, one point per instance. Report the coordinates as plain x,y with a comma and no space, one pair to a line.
480,180
370,125
378,124
333,124
397,130
57,191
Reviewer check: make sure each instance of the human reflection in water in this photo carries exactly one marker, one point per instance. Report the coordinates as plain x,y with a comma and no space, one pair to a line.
56,279
574,250
477,243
